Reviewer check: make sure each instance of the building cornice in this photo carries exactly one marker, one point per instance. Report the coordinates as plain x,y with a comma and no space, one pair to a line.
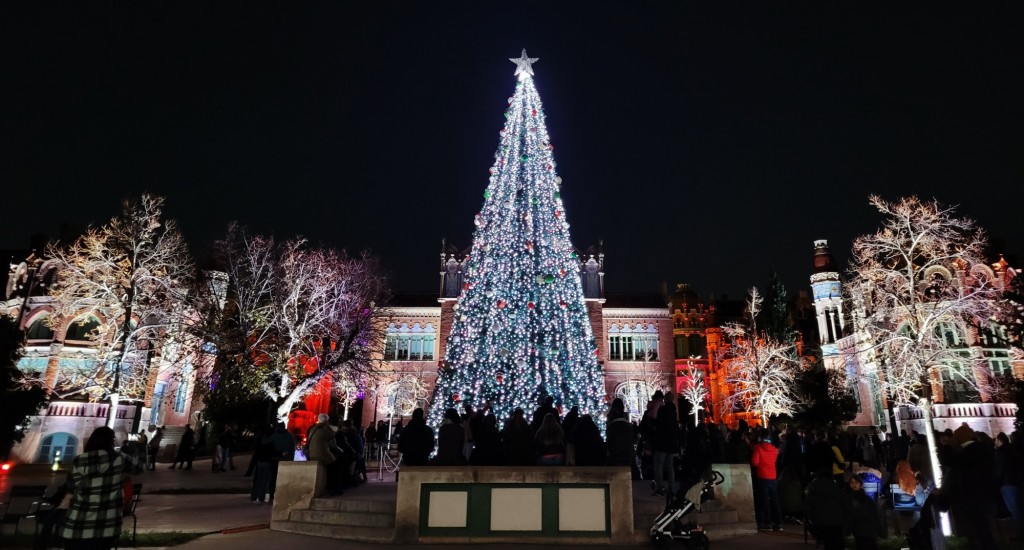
414,311
631,312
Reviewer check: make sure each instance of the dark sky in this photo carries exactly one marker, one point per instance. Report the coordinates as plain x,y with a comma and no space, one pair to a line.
703,143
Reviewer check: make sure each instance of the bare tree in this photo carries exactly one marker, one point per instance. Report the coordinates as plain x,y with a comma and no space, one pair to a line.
130,276
760,371
694,391
295,315
914,286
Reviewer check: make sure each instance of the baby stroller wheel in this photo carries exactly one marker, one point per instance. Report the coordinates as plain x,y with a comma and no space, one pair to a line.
699,541
661,539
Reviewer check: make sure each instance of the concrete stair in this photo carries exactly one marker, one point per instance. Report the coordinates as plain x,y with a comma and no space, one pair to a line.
347,518
719,521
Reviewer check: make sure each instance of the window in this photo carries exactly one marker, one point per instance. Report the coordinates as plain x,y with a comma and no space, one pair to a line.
64,443
949,334
999,362
181,397
40,329
958,382
635,394
83,330
633,343
158,402
403,396
405,343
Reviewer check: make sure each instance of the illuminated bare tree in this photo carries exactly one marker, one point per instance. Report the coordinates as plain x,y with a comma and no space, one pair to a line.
694,391
131,275
911,279
295,315
760,371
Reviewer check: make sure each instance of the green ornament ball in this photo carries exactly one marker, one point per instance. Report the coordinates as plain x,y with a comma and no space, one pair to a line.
549,279
487,193
557,195
524,158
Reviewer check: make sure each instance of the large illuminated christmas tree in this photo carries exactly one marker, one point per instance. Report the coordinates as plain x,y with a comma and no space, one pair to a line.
521,330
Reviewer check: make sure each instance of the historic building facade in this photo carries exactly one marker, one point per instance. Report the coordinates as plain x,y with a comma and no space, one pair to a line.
644,340
59,349
958,396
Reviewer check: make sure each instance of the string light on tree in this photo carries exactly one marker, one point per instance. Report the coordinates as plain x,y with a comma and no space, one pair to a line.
521,331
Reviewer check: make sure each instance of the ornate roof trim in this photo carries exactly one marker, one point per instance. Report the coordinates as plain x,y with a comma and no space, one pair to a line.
620,313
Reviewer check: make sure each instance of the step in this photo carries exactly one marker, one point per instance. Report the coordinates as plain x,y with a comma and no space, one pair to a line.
657,505
344,504
353,519
718,517
344,532
715,532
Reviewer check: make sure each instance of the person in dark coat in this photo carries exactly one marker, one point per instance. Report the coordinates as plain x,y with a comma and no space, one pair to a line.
828,507
538,415
186,449
1009,476
863,521
451,441
666,446
969,487
417,441
487,450
590,447
620,436
569,423
517,441
263,456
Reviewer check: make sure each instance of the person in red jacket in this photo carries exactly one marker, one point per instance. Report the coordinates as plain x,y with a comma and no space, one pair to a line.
766,490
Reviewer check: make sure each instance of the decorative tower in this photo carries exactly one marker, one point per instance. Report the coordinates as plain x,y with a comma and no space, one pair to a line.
828,296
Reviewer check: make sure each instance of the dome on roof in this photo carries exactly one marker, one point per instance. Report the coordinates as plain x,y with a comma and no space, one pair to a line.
685,298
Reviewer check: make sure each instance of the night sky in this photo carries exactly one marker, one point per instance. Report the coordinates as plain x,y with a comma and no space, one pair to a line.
702,143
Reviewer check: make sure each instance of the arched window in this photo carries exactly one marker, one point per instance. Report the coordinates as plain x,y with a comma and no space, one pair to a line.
40,330
403,396
635,394
83,329
65,443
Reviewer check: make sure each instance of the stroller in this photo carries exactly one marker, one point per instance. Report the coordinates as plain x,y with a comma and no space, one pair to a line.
669,525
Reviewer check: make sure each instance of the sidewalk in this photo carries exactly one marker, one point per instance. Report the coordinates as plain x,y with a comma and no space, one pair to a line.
265,538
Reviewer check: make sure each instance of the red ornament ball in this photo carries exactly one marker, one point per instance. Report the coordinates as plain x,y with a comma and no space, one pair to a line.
562,304
529,305
456,397
501,304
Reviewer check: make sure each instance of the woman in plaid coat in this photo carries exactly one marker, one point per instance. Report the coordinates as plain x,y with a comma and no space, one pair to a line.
96,484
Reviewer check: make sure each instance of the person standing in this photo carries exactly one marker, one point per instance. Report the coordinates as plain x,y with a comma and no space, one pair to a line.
864,524
321,442
417,441
620,437
548,407
96,484
666,446
283,443
186,449
1008,475
451,441
827,509
142,444
227,441
517,440
590,447
550,442
154,445
262,457
763,458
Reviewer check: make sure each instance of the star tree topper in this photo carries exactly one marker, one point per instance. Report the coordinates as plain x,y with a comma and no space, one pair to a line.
523,64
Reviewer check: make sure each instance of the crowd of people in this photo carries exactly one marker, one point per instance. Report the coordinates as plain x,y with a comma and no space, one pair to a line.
821,477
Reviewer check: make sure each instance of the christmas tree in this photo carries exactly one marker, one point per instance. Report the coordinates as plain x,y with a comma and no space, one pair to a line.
521,331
